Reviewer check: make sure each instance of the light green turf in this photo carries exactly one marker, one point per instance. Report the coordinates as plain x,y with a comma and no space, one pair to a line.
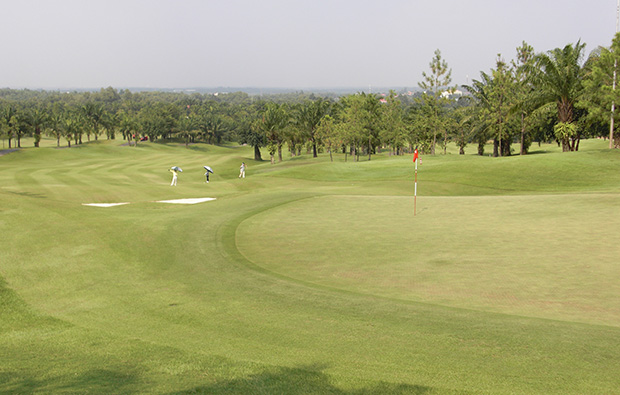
304,278
544,255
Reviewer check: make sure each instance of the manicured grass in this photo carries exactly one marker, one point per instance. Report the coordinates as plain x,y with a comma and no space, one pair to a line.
308,276
545,255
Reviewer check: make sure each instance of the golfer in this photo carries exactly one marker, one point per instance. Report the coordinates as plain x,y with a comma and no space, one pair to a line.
174,177
242,170
209,170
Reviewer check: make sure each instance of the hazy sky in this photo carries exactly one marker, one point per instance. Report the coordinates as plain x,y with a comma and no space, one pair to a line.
278,43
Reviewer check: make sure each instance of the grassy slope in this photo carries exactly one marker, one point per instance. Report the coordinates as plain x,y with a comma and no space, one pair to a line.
157,298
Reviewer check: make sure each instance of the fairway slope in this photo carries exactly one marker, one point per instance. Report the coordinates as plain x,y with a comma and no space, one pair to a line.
308,275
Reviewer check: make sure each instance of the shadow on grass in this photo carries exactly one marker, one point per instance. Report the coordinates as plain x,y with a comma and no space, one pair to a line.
8,151
297,381
29,194
100,381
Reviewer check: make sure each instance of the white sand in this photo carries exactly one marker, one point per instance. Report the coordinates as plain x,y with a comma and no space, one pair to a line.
186,201
104,204
175,201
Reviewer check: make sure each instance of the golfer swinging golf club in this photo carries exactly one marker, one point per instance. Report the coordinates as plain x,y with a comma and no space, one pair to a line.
242,170
174,170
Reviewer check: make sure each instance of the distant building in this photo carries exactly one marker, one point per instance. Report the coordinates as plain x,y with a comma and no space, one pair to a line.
450,94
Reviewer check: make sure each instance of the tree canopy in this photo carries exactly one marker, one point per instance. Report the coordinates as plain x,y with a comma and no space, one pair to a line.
552,95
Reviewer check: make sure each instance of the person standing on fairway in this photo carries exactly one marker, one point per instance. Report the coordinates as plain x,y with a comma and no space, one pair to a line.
208,170
174,177
242,170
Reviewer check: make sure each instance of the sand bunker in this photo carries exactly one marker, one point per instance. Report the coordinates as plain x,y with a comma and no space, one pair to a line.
175,201
186,201
103,204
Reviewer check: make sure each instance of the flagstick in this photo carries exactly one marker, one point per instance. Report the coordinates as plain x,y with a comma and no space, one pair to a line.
415,188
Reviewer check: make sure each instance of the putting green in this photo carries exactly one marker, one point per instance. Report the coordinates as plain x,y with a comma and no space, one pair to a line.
525,255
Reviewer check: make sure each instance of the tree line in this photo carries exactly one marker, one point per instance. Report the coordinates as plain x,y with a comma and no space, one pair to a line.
557,95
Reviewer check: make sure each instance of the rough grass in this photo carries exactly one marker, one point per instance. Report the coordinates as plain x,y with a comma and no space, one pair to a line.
210,298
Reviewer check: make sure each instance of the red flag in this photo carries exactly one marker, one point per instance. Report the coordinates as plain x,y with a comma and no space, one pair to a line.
415,155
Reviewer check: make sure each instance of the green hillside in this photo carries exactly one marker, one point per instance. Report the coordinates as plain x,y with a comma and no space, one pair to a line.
308,276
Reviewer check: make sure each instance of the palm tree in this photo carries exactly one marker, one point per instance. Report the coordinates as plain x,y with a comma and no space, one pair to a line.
110,121
9,117
55,123
463,118
493,94
218,129
274,120
21,126
37,119
187,126
94,114
71,126
211,127
309,116
248,130
127,126
557,78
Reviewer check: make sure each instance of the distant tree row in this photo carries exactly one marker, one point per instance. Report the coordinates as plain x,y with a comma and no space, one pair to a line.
551,96
79,116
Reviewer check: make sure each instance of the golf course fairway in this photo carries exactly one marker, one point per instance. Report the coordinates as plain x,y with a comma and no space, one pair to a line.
308,276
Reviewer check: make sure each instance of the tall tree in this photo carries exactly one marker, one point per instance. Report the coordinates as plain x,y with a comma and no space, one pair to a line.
187,128
37,119
93,115
158,119
463,121
72,124
211,124
55,122
309,116
502,96
601,91
420,119
393,131
248,131
21,126
371,123
9,116
127,127
327,132
360,122
494,95
272,122
557,78
523,89
4,129
436,94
